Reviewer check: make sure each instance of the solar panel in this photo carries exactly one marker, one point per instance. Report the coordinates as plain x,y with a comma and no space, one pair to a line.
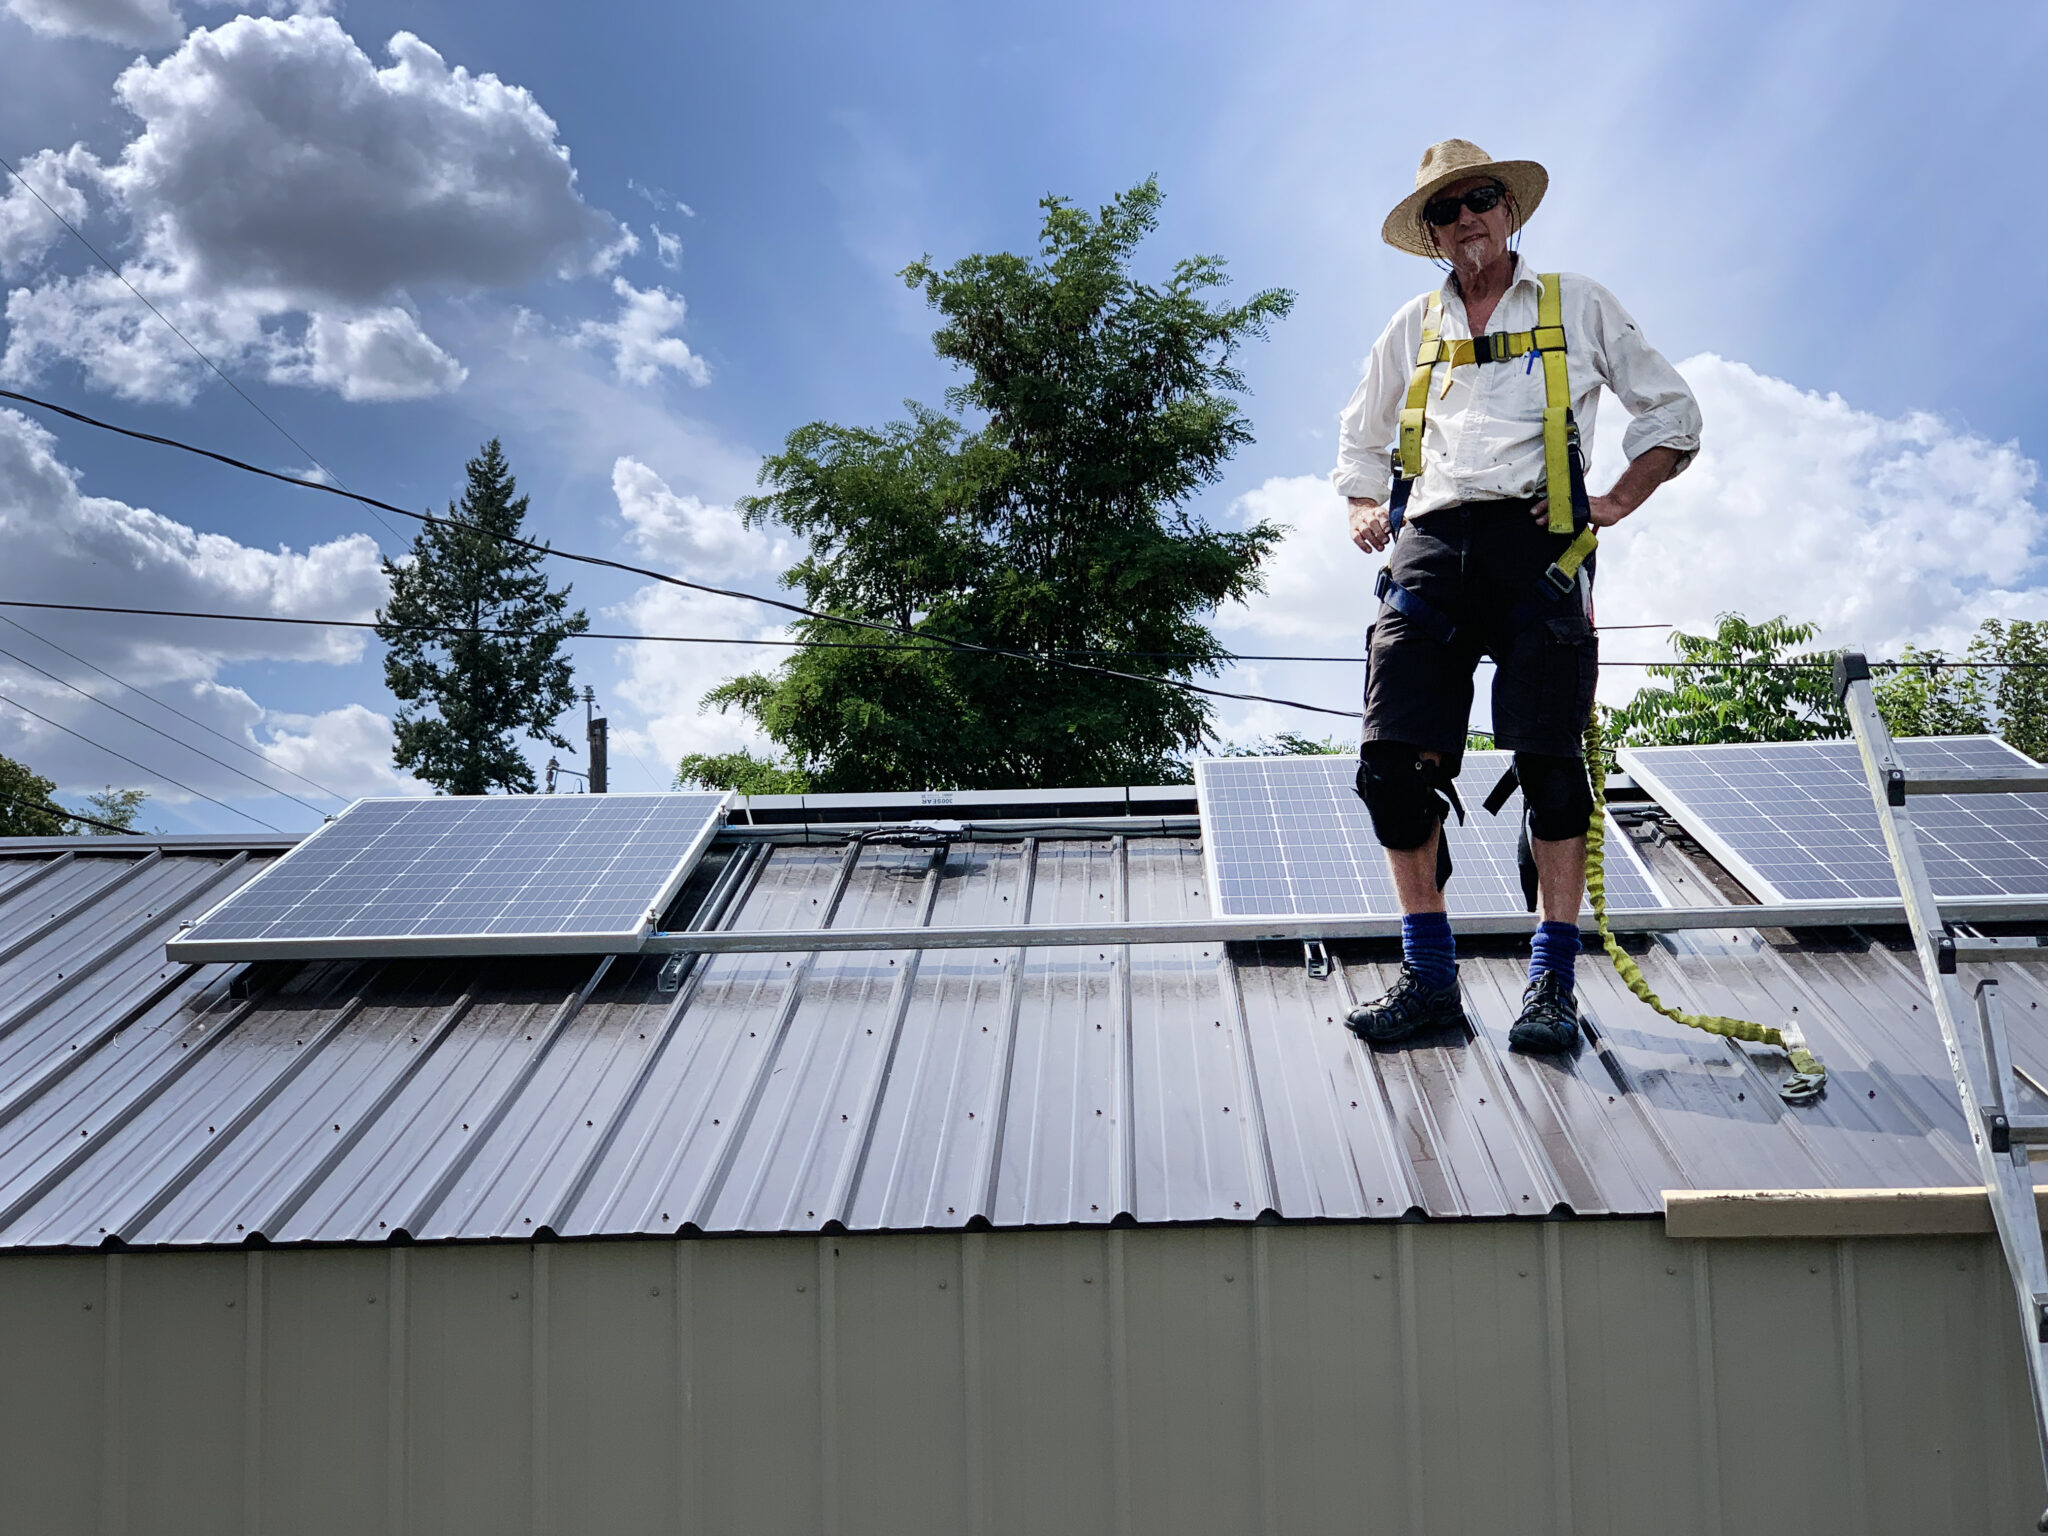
1288,837
466,874
1793,820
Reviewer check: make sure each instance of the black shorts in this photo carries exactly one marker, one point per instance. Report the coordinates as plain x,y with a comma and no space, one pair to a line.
1476,564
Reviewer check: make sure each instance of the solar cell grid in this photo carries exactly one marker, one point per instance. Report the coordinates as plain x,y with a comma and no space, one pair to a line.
1288,837
1794,822
454,873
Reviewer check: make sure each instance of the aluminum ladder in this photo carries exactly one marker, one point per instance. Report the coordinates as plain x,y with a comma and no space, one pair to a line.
1972,1025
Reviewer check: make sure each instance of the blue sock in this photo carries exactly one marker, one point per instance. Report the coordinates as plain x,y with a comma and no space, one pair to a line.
1554,948
1429,949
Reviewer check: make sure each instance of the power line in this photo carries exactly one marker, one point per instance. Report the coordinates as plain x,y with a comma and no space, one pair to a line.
926,645
144,767
663,577
78,235
167,736
165,704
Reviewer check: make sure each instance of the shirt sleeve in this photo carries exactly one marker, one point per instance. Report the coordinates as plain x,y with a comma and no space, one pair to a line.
1366,425
1664,412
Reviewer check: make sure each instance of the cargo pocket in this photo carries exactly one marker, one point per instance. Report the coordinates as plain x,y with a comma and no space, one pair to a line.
1571,674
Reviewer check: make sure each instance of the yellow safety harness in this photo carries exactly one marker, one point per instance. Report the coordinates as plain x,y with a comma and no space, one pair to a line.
1564,477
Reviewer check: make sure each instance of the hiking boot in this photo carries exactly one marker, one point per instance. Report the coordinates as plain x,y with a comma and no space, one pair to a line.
1408,1009
1550,1017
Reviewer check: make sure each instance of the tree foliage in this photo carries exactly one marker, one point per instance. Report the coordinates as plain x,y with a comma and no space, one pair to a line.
2000,685
1058,525
1288,744
1744,682
741,770
113,809
26,809
469,698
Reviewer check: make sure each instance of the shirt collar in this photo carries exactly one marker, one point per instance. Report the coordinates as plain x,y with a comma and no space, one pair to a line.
1525,273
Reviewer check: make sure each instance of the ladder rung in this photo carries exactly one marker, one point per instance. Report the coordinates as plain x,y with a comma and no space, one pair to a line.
1951,782
1997,951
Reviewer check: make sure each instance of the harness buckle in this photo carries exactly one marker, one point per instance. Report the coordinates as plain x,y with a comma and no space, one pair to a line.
1384,580
1558,580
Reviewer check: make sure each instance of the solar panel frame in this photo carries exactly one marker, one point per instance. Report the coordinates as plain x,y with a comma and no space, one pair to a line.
1346,875
1832,845
343,874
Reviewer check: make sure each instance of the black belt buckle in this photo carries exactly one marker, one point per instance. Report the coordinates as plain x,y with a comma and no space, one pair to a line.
1559,583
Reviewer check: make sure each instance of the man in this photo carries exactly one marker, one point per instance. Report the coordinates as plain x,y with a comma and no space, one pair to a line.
1482,562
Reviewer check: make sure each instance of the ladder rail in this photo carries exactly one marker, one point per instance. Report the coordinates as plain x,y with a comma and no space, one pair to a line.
1971,1029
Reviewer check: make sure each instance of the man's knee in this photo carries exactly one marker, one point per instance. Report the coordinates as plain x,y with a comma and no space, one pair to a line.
1403,792
1557,793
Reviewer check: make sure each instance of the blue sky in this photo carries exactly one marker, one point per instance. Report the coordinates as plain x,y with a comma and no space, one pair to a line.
1824,212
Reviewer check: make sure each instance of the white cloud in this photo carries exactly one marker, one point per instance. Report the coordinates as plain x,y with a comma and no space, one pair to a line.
134,23
27,229
668,248
1883,530
682,533
640,338
346,749
380,355
281,186
666,681
66,546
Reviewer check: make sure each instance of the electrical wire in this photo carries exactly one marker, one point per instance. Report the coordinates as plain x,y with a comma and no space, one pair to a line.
144,767
167,736
664,577
883,645
79,235
166,704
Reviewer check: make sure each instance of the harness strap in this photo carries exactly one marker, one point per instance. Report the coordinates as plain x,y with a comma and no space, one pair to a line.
1409,455
1414,608
1560,433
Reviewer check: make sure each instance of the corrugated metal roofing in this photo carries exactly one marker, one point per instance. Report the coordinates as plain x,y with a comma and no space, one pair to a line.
159,1104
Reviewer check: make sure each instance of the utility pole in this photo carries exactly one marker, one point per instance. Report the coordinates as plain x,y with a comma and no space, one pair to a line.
597,734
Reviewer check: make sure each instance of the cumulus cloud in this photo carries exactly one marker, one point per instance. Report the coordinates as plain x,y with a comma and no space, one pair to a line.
27,228
133,23
67,546
640,338
346,749
666,681
289,197
1883,530
682,533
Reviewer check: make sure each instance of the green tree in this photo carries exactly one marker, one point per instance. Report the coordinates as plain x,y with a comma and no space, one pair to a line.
26,809
113,809
1059,525
1744,682
2019,693
470,697
1925,696
741,770
1288,744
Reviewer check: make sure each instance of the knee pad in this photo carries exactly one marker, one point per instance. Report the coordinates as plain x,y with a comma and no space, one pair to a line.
1406,795
1557,795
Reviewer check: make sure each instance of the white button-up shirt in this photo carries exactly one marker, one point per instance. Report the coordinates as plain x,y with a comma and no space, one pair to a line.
1483,440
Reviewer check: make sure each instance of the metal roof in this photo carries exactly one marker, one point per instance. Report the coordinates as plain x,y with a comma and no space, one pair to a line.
153,1103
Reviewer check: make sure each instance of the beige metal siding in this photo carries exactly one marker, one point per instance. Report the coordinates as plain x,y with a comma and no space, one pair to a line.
1540,1377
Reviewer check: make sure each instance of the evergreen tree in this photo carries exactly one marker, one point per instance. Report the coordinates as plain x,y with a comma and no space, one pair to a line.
1059,525
470,697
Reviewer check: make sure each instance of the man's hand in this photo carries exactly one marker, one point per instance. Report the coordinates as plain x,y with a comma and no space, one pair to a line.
1369,529
1603,511
1648,470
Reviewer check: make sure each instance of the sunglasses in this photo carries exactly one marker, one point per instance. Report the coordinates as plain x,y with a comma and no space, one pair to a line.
1444,210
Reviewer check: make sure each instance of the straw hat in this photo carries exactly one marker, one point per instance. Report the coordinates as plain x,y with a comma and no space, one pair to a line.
1455,160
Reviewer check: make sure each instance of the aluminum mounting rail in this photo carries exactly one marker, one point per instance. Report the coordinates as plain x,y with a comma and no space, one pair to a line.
1977,1054
1237,930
